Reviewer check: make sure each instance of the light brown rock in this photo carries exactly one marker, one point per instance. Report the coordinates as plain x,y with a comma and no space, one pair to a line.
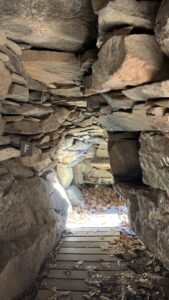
5,79
65,175
18,79
139,61
52,68
2,38
14,47
8,152
18,92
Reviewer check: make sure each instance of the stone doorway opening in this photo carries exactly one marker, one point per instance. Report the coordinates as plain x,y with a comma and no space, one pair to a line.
84,171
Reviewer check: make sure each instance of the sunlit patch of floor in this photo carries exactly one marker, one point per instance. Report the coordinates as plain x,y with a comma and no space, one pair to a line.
115,216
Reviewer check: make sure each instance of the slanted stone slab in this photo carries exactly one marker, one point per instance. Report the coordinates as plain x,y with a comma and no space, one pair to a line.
117,102
162,26
138,120
5,79
2,38
63,25
14,47
18,92
52,68
138,14
18,79
24,109
49,124
148,91
139,61
8,152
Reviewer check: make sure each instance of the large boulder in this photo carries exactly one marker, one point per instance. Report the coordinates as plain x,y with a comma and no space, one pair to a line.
75,196
154,160
64,25
33,212
124,157
149,218
162,27
139,61
65,175
136,13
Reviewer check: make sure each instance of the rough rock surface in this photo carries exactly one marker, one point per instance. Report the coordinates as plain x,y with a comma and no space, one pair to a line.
148,214
52,68
6,77
61,24
83,158
75,196
137,120
154,160
65,175
162,27
139,61
148,91
138,14
28,229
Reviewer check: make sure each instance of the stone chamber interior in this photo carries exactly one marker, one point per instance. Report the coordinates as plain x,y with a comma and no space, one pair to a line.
84,102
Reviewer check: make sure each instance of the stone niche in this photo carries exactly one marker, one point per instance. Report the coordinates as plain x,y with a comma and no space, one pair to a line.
124,156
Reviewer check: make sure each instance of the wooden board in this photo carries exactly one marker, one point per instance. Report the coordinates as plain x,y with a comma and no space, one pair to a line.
89,246
92,233
86,251
84,257
96,244
94,229
64,284
88,238
66,265
44,294
76,274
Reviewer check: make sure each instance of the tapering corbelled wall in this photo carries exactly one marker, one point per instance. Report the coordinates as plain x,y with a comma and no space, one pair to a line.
69,72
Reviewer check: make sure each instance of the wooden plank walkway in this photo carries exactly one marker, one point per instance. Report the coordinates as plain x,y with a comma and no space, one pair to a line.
80,252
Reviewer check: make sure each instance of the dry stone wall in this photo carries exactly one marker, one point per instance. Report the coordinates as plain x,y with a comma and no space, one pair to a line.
70,71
